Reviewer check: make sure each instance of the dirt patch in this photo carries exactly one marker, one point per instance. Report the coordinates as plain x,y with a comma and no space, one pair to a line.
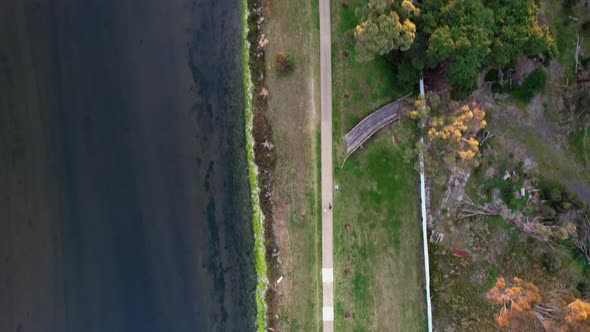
524,67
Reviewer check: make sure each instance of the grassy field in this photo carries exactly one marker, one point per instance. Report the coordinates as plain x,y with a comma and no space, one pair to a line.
377,249
293,27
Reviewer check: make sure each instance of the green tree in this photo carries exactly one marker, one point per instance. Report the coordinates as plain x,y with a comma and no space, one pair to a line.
385,26
518,31
462,39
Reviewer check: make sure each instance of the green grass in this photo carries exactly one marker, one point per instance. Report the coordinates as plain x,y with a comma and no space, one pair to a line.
532,85
579,141
348,19
377,197
293,27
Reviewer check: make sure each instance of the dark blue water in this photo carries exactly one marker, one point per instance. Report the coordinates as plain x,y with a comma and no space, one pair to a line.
124,203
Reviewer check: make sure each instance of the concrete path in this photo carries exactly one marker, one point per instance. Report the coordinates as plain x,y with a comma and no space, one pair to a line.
326,172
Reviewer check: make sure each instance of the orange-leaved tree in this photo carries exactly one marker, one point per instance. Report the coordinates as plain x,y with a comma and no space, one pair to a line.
524,308
518,300
578,315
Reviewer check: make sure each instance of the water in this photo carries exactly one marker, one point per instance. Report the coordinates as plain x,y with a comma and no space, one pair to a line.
124,198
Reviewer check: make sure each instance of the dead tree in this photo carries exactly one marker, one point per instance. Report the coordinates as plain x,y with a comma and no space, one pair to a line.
472,209
578,52
583,238
486,136
545,312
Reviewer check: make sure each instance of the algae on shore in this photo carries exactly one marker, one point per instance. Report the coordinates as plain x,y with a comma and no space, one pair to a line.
257,215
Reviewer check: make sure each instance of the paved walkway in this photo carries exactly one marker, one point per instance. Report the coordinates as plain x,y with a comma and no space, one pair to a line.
326,172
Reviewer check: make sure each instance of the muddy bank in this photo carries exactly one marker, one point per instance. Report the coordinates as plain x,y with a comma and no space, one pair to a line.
125,201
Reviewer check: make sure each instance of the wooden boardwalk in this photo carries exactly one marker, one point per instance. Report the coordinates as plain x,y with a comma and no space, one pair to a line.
372,124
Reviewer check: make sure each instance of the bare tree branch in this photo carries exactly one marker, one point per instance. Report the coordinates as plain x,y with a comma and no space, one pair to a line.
578,52
472,209
487,135
582,241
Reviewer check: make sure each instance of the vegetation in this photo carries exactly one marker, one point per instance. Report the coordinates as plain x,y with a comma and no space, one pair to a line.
462,36
495,211
284,63
376,226
385,26
524,307
293,29
377,240
454,132
532,85
257,215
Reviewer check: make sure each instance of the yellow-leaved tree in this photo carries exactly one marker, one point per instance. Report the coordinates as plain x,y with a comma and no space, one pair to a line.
459,129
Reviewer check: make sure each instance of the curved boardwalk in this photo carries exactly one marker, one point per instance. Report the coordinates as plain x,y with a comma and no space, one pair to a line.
372,124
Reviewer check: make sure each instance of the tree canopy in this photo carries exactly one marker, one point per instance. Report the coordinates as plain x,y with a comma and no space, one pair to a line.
463,36
385,26
524,306
456,128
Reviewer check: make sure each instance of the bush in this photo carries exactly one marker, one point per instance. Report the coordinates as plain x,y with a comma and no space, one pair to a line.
551,190
284,63
547,212
551,263
584,288
533,84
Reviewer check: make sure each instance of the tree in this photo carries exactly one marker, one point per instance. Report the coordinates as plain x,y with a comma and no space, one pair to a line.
385,26
466,36
523,306
462,39
518,300
518,31
578,314
459,129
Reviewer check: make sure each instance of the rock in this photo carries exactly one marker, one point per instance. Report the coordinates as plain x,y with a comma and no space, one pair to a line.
268,145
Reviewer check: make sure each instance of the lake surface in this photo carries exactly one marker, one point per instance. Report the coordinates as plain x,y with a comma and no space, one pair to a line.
124,201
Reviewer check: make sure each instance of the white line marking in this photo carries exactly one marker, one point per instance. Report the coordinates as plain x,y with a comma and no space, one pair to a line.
328,314
327,275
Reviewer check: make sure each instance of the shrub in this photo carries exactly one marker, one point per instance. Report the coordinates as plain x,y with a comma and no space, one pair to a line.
533,84
284,63
584,288
551,263
547,212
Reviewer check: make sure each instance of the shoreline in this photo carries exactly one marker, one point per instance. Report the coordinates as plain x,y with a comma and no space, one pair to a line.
260,160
